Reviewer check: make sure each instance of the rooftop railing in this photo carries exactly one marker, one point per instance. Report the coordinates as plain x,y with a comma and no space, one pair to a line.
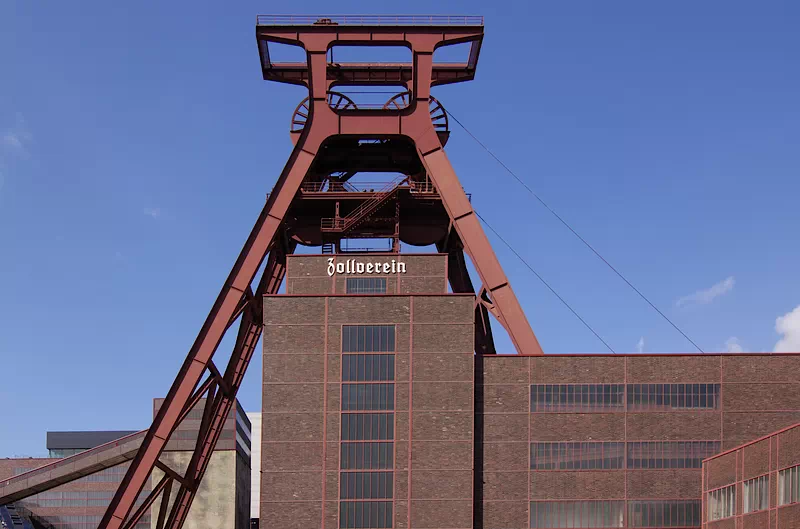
368,20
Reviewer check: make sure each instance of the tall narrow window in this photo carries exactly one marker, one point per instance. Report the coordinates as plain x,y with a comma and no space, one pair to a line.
722,503
366,459
789,485
756,494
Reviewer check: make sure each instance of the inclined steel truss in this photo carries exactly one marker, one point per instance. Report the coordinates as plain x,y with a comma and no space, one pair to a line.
272,237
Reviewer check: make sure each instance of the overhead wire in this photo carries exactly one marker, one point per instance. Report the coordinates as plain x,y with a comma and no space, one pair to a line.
545,283
574,232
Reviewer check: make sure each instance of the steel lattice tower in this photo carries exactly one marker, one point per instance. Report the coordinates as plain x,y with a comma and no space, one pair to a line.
313,203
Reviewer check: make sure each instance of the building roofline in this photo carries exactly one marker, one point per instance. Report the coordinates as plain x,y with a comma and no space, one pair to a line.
745,445
628,355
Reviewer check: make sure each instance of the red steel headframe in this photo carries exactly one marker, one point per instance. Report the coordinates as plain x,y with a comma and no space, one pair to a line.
199,376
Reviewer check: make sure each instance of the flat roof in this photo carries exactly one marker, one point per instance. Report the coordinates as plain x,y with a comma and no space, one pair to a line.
369,20
83,440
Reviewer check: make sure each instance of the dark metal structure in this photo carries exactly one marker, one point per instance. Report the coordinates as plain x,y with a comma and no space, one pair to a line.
314,202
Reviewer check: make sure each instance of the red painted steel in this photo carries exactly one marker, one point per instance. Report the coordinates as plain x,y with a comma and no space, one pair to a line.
405,138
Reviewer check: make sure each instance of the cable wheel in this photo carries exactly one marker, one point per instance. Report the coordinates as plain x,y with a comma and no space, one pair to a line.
336,100
438,113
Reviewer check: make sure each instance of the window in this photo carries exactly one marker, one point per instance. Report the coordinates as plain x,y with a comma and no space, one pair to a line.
367,338
722,503
373,396
666,397
368,456
789,485
366,485
365,514
577,456
365,367
366,285
664,513
577,397
756,494
670,454
560,514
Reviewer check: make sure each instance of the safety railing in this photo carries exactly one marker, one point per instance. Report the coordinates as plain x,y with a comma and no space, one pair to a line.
369,20
343,223
342,187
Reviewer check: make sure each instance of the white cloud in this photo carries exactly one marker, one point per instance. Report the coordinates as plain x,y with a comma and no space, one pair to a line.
706,296
15,139
152,212
640,345
733,345
788,326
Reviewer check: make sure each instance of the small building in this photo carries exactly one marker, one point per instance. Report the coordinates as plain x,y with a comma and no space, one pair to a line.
73,488
755,485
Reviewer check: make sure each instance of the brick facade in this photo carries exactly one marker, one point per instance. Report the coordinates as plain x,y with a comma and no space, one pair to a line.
465,426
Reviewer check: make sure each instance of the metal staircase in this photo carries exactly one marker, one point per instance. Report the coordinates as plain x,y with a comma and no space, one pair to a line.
362,212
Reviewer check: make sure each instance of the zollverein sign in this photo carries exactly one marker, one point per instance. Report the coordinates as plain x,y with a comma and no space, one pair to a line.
352,266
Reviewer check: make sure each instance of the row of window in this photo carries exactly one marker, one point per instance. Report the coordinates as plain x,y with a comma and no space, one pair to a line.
366,485
722,502
367,367
597,455
597,513
365,514
368,338
366,285
367,397
366,456
618,397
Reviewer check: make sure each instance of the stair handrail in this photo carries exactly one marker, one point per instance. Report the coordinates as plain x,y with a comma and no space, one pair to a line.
374,201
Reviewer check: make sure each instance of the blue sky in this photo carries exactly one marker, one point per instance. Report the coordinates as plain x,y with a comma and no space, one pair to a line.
138,141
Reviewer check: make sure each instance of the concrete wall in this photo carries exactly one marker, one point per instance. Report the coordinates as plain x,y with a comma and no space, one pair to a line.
255,464
215,504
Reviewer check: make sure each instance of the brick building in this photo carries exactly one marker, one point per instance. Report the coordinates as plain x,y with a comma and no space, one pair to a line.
755,485
376,413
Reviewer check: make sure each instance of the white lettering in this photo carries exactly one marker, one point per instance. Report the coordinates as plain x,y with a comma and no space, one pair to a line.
360,268
385,268
394,270
340,268
331,267
401,268
369,268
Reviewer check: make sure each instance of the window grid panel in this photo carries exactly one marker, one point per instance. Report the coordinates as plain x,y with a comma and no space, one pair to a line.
365,514
573,514
365,285
368,338
756,494
368,367
789,485
670,454
722,503
665,397
366,455
367,397
664,513
577,397
366,485
577,455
